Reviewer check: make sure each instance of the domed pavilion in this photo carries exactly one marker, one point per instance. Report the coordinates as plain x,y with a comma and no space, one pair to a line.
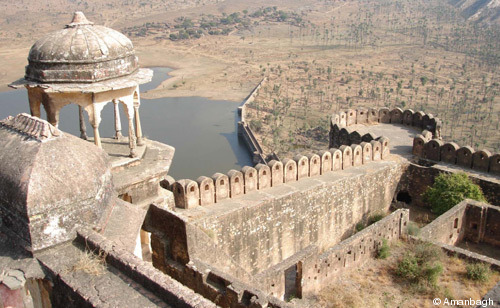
87,65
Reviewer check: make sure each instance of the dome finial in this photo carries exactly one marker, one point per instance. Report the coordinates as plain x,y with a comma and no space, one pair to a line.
79,19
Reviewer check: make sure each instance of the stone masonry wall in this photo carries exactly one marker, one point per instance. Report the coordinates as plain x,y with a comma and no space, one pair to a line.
471,220
448,228
341,134
321,211
315,271
451,153
353,252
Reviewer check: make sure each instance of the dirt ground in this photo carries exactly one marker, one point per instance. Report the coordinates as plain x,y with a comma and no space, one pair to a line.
376,285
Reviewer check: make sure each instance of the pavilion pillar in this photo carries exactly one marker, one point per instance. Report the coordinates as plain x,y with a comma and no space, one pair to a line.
131,137
140,140
95,123
128,102
83,128
118,123
35,100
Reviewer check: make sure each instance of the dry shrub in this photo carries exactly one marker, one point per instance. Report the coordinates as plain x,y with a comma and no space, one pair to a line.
90,263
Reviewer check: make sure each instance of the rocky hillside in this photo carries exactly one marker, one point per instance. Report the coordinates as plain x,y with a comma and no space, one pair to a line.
487,11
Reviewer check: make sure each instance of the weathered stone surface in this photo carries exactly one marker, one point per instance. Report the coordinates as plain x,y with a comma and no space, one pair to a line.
366,152
314,164
495,164
290,170
346,156
260,241
92,53
221,183
373,115
432,149
302,166
362,116
408,117
351,117
207,190
357,155
418,146
384,115
186,193
276,168
250,177
449,152
418,119
336,159
264,176
376,150
481,160
236,183
396,116
43,199
326,161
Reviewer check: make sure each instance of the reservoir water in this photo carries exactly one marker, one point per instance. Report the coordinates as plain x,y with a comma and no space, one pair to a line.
203,131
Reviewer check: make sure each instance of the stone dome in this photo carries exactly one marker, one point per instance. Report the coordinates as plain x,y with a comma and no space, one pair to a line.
81,53
51,182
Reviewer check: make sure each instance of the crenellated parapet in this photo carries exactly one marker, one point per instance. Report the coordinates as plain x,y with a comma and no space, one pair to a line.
209,190
450,152
341,132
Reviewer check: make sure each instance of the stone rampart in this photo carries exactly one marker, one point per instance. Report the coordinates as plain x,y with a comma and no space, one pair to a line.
246,132
352,252
189,255
342,134
469,220
262,229
452,153
314,271
189,193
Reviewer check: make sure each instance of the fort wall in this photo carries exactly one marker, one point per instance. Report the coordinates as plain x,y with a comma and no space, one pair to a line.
189,193
189,255
342,134
451,153
263,229
469,220
246,132
314,271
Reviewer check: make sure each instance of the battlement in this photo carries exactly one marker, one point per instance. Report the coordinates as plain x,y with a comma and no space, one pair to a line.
408,117
209,190
450,152
32,127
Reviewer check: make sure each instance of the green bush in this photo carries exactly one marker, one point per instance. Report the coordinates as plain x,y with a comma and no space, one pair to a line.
374,218
413,228
478,271
384,250
449,190
360,226
422,266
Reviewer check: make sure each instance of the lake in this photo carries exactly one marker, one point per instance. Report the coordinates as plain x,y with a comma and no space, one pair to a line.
203,132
